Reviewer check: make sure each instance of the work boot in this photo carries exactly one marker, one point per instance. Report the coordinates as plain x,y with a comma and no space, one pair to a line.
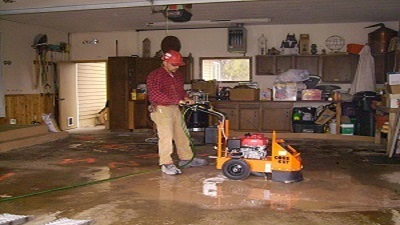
194,163
170,169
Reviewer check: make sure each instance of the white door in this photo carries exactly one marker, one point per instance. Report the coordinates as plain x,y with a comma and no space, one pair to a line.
68,100
92,92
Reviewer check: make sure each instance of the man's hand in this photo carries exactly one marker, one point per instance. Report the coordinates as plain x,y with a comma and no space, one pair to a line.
186,101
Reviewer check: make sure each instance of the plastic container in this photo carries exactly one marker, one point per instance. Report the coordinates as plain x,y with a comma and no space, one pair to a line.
307,127
380,120
354,48
332,127
347,129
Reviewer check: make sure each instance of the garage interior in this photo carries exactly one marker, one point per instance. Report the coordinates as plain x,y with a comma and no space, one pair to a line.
77,168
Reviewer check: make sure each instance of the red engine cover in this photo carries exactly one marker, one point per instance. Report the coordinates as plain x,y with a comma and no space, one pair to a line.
254,140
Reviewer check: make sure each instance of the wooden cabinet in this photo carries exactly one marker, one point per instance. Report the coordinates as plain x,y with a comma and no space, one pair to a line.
231,112
307,62
283,63
273,64
121,73
276,64
265,65
333,68
276,116
384,63
338,68
139,116
146,66
257,116
249,116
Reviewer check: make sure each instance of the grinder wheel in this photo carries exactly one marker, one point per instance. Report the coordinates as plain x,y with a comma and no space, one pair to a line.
236,169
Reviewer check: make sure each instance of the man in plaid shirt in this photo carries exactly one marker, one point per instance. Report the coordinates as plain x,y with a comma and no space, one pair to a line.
165,87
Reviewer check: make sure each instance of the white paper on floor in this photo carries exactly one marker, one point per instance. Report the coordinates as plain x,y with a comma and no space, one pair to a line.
66,221
11,219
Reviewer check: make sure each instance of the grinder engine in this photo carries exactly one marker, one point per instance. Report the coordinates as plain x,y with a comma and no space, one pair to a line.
250,146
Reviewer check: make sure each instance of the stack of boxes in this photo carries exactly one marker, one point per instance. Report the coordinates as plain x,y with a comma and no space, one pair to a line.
393,87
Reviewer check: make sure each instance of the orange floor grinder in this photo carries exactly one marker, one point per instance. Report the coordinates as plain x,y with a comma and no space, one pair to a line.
238,157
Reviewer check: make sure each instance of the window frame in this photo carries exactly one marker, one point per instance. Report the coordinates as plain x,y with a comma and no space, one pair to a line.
221,58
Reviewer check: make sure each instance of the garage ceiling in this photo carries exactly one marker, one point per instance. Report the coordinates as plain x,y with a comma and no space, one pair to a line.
102,16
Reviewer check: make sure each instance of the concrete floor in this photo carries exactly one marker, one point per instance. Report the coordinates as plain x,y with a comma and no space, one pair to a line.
113,178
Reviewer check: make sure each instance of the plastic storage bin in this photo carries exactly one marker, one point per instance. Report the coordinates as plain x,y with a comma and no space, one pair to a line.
347,129
307,127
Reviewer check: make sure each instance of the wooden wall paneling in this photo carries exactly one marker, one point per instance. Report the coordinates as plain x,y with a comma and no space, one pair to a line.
18,110
24,108
3,120
31,104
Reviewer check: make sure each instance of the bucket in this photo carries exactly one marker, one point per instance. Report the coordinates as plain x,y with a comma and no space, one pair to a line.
380,120
354,48
347,129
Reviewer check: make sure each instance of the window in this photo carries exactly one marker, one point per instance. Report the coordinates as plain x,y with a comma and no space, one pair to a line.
234,69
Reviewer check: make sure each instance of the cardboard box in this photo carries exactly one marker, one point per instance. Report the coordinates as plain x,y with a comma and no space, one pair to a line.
311,94
393,101
325,116
393,78
266,94
245,94
141,96
209,87
284,92
393,89
304,44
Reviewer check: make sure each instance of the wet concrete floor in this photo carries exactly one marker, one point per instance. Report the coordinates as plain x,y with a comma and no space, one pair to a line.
113,178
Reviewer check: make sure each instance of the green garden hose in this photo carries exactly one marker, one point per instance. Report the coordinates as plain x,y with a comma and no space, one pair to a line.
72,186
187,133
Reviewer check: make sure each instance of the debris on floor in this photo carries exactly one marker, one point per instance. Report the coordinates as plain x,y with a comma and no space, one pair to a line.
66,221
11,219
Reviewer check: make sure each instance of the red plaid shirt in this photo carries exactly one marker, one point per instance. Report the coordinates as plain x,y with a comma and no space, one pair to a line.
164,89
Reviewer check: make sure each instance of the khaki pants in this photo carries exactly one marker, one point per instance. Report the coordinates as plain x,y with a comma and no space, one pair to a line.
168,120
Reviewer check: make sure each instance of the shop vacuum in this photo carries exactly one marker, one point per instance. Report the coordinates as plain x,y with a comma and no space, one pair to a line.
365,113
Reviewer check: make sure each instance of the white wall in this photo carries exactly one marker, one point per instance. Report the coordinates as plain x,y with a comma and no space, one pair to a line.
17,40
213,42
124,43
